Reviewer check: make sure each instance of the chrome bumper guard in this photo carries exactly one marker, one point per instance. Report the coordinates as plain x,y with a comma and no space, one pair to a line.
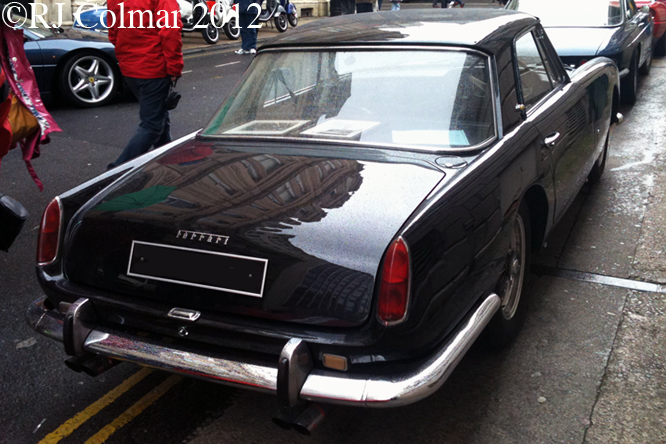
324,386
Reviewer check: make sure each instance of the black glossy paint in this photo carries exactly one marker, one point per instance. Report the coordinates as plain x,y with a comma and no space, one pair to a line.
324,214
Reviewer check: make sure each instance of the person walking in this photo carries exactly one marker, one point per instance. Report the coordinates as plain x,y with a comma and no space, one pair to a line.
147,37
395,5
246,17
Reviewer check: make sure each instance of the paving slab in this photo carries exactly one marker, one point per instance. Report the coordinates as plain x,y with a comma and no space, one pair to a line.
632,399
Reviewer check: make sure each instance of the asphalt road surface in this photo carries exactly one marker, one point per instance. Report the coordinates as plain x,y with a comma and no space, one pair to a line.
587,368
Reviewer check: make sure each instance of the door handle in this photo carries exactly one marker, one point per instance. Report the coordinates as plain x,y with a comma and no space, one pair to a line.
551,139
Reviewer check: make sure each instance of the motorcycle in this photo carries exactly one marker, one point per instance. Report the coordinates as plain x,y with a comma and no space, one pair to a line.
196,16
282,12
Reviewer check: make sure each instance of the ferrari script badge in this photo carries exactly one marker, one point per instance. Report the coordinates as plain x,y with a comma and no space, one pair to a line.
203,237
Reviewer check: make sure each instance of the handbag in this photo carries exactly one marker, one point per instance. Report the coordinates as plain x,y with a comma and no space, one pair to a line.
12,217
23,122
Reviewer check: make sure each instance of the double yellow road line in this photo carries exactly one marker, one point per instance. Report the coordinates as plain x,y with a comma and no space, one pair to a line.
69,426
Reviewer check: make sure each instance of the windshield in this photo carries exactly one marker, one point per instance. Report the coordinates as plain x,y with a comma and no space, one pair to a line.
577,13
439,99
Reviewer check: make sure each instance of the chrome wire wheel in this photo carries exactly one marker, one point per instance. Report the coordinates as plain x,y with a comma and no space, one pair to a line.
89,80
515,273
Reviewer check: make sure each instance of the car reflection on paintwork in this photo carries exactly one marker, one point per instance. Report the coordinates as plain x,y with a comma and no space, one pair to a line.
358,212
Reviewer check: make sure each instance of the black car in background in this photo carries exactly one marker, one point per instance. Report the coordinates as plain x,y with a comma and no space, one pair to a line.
359,210
583,29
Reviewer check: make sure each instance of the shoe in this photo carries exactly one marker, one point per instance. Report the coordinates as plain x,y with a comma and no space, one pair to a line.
253,51
246,51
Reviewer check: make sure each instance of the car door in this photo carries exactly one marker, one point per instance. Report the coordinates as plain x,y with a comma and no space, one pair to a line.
561,113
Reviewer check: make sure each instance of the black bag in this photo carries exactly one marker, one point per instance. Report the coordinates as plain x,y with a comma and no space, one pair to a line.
12,218
173,98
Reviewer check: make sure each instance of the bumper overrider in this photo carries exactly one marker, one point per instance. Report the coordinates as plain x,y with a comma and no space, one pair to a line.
292,378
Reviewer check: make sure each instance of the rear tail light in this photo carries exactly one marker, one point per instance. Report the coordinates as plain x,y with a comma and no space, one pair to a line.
394,286
49,233
582,62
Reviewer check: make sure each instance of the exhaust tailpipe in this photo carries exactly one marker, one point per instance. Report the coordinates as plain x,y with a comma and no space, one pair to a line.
98,365
91,365
311,417
287,415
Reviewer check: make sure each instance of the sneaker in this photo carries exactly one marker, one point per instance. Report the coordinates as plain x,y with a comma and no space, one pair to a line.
242,51
253,51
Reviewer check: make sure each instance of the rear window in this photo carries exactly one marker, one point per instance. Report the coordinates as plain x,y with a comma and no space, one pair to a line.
424,99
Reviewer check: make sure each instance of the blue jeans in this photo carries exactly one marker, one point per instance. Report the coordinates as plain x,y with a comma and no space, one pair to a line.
155,128
395,6
248,35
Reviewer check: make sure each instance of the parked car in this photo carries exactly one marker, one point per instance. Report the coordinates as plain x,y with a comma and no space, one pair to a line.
358,211
612,28
658,14
92,18
79,65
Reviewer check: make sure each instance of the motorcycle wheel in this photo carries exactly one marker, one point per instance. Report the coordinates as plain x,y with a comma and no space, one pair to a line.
293,19
230,29
211,34
281,23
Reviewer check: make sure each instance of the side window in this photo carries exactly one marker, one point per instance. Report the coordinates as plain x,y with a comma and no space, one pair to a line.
534,79
548,54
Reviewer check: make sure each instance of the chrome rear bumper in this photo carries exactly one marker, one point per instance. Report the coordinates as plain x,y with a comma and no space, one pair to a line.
323,386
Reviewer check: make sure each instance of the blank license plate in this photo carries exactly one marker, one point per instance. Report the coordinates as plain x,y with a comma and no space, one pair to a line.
198,268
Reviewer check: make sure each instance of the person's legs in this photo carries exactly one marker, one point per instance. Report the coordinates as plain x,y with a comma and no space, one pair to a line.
395,6
154,128
248,35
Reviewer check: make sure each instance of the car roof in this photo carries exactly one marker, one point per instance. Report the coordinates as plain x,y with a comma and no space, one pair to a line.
482,28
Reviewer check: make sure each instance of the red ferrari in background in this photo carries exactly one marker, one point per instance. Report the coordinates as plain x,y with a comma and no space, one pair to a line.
658,13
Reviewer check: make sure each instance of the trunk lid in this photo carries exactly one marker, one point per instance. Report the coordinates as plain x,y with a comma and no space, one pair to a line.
288,237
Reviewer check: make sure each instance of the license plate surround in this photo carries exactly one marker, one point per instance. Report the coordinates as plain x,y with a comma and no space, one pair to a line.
194,267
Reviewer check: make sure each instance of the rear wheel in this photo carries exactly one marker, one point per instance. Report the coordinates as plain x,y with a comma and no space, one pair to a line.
88,79
230,30
281,22
629,84
512,288
211,34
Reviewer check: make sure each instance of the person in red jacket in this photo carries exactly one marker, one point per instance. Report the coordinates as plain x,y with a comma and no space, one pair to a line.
147,37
